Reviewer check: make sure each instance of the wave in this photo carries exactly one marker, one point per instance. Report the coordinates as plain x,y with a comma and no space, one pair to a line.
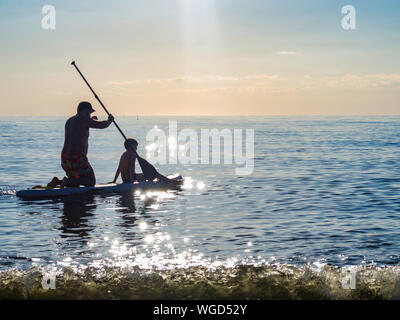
241,282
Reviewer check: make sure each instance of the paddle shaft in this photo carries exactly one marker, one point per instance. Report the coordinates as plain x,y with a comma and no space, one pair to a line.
98,99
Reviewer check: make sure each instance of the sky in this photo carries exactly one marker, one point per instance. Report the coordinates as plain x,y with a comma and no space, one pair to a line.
201,57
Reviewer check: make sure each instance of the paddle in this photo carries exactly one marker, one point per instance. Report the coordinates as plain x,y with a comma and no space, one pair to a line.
148,169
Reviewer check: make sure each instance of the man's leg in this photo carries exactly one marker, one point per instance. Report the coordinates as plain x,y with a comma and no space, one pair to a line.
84,181
76,182
88,180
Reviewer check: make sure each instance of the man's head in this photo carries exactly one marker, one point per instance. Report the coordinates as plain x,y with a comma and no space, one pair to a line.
85,108
130,144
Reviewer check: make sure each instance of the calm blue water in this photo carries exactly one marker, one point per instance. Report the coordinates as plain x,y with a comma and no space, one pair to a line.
324,193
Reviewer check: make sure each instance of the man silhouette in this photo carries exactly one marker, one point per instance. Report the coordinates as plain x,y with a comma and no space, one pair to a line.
74,153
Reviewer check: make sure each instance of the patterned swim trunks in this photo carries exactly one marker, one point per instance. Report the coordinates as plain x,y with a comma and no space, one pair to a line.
76,165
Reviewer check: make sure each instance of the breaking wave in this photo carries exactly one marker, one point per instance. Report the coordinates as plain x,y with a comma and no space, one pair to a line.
199,282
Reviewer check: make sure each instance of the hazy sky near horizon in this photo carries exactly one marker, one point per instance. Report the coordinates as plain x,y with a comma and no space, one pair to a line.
197,57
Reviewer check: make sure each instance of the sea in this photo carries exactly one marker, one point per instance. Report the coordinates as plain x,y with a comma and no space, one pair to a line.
316,217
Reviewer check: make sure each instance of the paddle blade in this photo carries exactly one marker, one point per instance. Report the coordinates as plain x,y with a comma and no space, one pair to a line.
149,172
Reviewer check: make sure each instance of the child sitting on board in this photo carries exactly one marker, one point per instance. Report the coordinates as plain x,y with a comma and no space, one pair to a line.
126,166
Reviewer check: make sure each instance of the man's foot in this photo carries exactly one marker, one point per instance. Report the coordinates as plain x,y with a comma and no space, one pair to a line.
63,182
69,183
54,183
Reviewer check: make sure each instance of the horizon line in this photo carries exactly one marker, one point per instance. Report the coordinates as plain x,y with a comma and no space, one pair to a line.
216,115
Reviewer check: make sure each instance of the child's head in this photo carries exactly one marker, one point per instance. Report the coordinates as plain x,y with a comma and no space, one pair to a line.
130,144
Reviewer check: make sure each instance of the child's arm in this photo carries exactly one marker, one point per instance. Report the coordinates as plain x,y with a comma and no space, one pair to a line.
117,174
118,169
132,167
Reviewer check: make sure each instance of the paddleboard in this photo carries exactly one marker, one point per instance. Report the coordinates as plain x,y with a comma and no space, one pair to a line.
42,193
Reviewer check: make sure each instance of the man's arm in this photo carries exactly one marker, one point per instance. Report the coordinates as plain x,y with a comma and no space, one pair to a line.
101,124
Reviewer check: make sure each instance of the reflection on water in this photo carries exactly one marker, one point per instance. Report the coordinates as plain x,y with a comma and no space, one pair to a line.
76,216
97,229
127,208
126,204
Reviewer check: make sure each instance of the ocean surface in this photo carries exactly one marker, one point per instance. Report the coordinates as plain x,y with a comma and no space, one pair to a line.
321,209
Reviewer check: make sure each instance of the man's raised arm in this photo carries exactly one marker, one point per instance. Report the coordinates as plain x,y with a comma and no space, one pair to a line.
101,124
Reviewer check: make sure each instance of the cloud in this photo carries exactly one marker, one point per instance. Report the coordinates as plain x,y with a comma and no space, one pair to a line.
123,83
205,79
385,80
258,83
264,76
287,53
365,81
